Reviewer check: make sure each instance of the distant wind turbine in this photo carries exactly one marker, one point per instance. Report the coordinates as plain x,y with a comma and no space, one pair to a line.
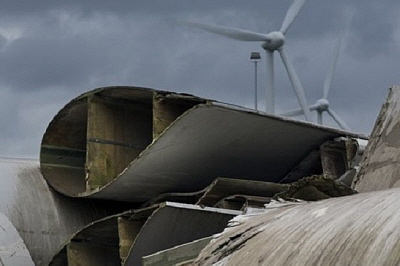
271,42
322,105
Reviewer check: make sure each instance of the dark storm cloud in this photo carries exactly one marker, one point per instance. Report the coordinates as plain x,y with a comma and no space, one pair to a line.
373,29
33,64
51,51
146,6
65,50
3,41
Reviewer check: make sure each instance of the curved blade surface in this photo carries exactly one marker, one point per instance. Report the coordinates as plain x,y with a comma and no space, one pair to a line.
331,70
298,88
233,33
338,120
291,14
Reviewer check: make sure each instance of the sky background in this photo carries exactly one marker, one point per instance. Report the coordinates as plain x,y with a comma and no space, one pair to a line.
52,51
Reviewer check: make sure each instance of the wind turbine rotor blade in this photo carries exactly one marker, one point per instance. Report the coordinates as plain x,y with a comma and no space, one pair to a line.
298,111
291,14
293,112
332,66
314,107
294,79
338,120
233,33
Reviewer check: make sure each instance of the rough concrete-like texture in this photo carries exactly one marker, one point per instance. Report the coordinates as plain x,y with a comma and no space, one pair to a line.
315,187
380,166
361,229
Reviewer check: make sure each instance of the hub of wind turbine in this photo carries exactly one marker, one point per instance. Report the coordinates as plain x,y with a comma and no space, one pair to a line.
276,40
270,42
321,105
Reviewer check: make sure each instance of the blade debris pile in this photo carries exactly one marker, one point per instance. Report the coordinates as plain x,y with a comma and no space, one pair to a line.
149,176
181,167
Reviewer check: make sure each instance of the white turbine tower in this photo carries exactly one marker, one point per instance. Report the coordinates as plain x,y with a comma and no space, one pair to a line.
322,105
271,42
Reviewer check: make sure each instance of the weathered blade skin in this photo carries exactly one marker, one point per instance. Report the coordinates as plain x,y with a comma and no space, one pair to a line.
379,167
45,220
208,133
155,231
362,220
13,250
194,223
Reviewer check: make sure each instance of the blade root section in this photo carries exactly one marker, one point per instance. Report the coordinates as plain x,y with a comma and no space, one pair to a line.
132,144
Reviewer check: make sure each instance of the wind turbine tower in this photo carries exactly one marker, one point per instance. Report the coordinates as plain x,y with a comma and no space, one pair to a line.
322,104
270,42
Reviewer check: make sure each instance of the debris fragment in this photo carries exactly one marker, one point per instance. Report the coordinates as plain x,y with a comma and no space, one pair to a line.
316,187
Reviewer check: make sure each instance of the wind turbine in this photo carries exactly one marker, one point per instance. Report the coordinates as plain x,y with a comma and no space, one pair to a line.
322,105
271,42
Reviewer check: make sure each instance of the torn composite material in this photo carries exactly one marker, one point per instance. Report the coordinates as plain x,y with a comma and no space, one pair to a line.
220,189
223,188
179,255
43,218
380,166
129,236
361,229
238,194
13,251
200,140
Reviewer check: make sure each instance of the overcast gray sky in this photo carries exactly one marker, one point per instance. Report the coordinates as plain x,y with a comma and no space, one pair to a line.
52,51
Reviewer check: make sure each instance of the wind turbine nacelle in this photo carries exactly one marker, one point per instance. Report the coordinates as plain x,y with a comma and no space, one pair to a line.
323,105
276,41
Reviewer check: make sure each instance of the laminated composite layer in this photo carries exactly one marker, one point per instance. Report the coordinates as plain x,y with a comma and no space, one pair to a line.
125,238
43,218
380,167
361,229
132,144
